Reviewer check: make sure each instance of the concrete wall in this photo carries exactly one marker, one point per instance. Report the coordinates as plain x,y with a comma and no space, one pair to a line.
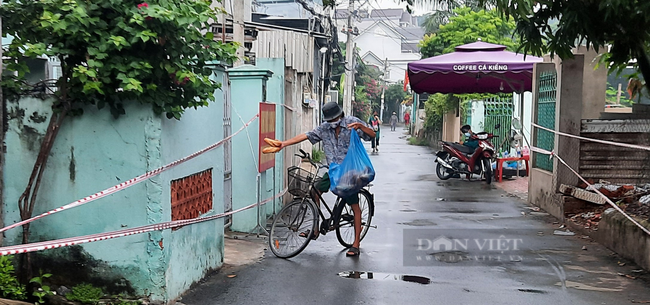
275,94
198,129
542,194
451,127
96,151
594,84
568,118
248,89
580,94
623,237
91,153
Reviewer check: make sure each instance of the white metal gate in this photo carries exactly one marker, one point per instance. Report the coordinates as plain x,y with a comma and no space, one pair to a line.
227,150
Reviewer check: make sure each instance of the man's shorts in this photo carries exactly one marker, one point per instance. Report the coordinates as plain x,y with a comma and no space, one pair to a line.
323,185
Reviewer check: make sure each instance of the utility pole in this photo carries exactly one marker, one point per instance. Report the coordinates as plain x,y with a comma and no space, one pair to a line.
383,90
348,89
323,90
238,18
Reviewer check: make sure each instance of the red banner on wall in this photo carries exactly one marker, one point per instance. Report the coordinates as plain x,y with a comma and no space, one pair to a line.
267,130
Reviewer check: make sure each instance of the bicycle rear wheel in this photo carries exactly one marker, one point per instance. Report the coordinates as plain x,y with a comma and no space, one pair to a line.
296,218
345,229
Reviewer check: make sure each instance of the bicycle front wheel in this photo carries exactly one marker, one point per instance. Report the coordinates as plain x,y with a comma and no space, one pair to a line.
345,229
292,228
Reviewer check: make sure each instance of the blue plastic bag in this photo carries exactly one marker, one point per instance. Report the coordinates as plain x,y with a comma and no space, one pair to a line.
355,172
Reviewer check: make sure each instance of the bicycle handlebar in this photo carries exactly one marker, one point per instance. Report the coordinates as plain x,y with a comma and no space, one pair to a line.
306,155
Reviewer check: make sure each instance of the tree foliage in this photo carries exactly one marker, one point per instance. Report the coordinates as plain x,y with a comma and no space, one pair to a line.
117,51
556,27
467,26
435,107
394,96
435,19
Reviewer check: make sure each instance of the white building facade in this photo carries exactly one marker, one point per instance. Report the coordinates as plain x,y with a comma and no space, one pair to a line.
386,36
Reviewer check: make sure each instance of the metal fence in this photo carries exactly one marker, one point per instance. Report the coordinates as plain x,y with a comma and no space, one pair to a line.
498,119
547,97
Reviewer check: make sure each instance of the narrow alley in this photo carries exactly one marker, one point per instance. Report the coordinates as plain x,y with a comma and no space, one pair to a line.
413,209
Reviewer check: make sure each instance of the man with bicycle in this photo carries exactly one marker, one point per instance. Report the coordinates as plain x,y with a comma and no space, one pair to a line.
335,135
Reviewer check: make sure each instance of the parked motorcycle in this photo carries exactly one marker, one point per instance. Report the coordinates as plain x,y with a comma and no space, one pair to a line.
456,159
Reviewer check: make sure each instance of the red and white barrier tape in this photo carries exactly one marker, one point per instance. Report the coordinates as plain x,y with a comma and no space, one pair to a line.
129,183
53,244
589,186
594,140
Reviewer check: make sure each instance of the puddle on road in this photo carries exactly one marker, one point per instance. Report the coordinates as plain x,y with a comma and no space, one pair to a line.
419,223
408,210
461,211
581,286
385,276
533,291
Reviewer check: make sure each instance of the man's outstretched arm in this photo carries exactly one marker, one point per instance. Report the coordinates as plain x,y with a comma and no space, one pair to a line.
295,140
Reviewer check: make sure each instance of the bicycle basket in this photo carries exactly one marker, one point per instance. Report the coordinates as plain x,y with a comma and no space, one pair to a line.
300,181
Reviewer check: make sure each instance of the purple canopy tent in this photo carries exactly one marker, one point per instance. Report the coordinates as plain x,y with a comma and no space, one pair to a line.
477,67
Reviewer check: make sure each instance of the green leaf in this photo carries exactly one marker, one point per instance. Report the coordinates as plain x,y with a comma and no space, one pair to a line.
95,63
99,40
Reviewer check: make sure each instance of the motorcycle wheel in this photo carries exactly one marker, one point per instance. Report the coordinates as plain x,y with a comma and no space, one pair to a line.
442,172
488,170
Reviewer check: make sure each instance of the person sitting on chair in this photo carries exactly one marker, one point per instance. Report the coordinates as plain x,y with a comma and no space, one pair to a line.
469,142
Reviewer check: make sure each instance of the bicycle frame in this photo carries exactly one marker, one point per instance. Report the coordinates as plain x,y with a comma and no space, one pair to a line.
297,224
336,210
319,196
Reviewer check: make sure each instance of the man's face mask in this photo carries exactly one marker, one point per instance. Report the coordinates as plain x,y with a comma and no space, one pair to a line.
467,134
335,124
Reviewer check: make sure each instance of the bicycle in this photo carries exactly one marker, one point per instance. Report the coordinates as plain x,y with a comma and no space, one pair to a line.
292,228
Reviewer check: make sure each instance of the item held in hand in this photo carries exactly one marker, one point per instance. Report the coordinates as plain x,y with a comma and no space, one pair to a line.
270,150
272,142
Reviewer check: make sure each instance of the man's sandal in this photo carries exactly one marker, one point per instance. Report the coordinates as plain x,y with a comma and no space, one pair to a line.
308,233
353,251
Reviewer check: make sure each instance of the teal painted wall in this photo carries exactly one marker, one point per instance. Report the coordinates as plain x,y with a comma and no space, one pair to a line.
275,94
247,86
91,153
96,151
194,250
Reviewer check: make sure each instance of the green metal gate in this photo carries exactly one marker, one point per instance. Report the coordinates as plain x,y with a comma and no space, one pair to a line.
547,97
498,112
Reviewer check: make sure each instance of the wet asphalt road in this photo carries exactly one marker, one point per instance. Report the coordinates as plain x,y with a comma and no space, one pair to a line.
543,268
